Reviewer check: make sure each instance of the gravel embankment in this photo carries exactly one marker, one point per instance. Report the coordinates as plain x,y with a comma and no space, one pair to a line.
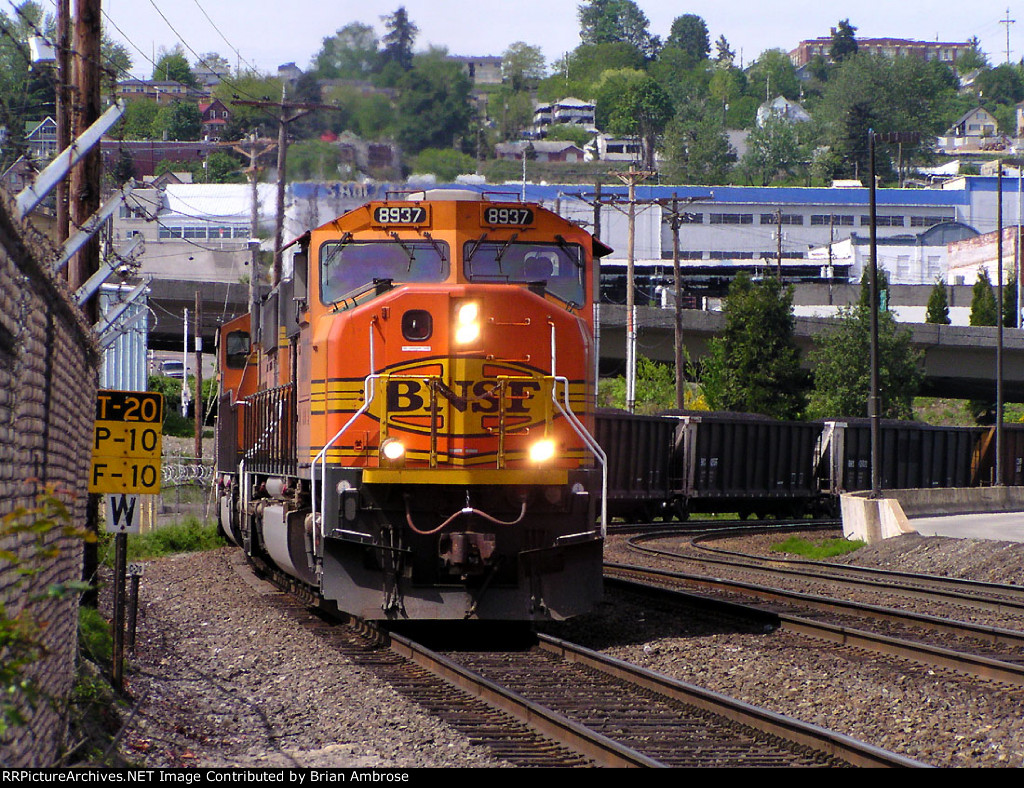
934,716
225,679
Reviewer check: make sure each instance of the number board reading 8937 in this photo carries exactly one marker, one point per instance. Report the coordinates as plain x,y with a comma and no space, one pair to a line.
401,215
505,216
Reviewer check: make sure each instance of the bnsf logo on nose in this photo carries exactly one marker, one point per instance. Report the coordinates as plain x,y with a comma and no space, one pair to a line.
481,396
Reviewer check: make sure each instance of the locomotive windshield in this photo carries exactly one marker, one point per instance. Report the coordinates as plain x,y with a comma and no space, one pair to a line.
558,266
348,265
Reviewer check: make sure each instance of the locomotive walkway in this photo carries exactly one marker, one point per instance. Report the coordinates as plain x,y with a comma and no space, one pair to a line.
960,361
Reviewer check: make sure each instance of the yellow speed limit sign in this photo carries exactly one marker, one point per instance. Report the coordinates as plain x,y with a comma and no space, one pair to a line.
127,442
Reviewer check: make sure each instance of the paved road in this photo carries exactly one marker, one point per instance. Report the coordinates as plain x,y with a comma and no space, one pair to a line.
1006,526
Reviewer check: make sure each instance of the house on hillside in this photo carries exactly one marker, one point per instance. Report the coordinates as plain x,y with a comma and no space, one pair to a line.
41,139
974,130
553,151
481,70
215,116
782,107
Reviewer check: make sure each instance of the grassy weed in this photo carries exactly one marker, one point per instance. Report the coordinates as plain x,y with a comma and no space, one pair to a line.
817,551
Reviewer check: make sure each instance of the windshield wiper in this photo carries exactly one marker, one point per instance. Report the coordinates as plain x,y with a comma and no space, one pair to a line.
475,247
501,252
437,247
565,247
406,249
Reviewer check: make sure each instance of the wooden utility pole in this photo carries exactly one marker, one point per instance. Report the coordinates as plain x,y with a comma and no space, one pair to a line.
85,177
288,112
675,219
63,109
254,148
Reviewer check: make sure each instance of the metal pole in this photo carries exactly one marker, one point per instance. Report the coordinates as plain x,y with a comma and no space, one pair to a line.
198,402
874,399
120,564
631,304
680,378
999,330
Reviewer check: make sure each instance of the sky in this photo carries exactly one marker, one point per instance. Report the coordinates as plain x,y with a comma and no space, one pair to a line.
267,33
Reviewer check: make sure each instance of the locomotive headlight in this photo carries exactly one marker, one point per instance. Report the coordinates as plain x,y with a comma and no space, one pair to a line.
542,450
467,323
392,449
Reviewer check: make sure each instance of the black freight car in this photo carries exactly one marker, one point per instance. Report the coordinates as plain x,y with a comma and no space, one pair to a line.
697,461
913,455
639,450
745,463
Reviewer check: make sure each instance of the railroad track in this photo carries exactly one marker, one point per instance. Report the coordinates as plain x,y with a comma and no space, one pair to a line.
621,715
908,635
997,597
553,704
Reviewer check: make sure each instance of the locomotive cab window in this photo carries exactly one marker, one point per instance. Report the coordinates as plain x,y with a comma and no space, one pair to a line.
558,266
348,266
236,350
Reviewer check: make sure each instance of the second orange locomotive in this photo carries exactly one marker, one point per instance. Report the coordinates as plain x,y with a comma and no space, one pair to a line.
411,436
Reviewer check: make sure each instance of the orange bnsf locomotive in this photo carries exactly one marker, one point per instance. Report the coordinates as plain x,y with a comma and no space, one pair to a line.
409,433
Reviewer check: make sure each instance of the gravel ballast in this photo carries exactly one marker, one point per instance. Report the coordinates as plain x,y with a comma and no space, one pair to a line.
223,678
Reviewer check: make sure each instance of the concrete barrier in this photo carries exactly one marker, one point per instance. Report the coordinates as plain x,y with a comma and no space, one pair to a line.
872,519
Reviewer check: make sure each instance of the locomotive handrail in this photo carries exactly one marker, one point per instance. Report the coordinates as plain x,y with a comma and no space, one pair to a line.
591,442
321,457
581,430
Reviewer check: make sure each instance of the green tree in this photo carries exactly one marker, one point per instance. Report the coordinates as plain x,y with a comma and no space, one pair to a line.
577,73
697,148
313,160
523,66
1000,85
843,42
772,147
445,163
689,33
180,120
983,301
842,369
610,91
773,74
246,120
884,94
755,365
434,108
399,39
172,66
644,112
724,54
351,53
25,94
223,167
938,305
973,59
655,388
138,120
614,21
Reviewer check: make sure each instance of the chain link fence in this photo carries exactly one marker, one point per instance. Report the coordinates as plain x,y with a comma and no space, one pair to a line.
186,490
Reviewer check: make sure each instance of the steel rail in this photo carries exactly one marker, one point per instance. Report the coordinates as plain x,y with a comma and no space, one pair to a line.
946,590
971,664
995,635
596,746
846,748
953,582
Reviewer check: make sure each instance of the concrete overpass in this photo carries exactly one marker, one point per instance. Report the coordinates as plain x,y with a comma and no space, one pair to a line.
960,361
